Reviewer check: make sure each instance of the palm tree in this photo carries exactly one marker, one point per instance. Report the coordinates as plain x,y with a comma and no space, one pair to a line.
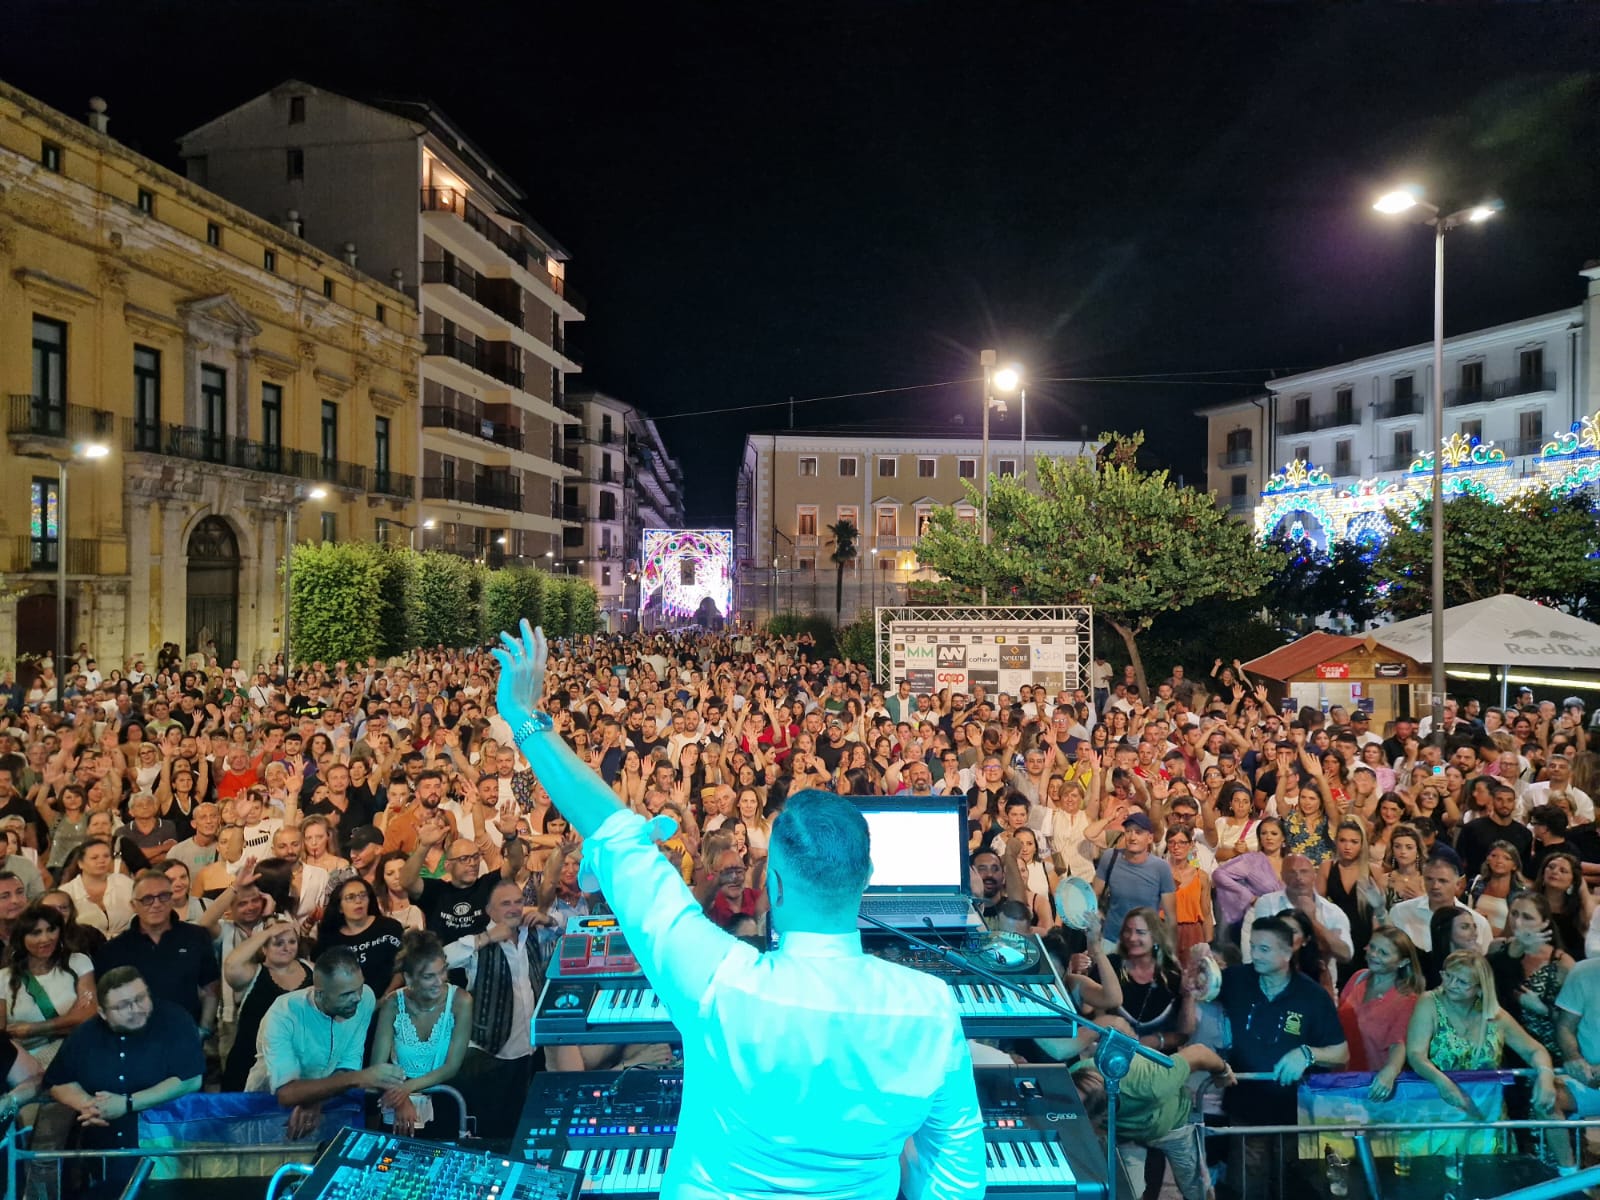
844,534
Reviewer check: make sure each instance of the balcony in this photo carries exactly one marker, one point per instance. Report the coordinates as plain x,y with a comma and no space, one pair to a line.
572,512
437,417
1240,457
1240,505
457,202
467,491
1295,425
1344,468
209,446
563,346
1336,418
892,543
31,555
1525,445
1521,385
1398,461
1400,406
475,355
44,417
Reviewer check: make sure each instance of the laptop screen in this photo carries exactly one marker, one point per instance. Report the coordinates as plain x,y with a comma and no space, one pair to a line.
917,849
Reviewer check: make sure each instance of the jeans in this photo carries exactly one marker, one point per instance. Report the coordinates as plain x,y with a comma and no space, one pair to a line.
1184,1148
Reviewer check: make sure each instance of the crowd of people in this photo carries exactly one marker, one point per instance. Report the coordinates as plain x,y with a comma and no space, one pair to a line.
348,878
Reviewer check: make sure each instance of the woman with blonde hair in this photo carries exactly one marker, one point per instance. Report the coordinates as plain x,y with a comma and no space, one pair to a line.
1459,1026
1346,880
1151,980
1375,1008
1491,892
1402,869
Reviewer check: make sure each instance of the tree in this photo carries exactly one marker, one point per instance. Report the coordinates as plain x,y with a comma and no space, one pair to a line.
1312,582
844,534
509,596
441,605
1539,545
1102,532
335,599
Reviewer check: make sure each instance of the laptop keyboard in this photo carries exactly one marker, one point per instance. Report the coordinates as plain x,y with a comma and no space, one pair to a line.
952,907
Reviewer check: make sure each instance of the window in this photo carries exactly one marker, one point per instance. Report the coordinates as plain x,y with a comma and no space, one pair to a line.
50,156
847,468
605,576
269,260
1472,377
1302,453
381,312
888,522
805,564
49,377
1530,425
808,467
885,562
147,202
1471,430
608,506
887,467
1239,445
1404,388
1302,413
1530,365
924,515
214,412
271,427
44,529
1404,447
295,163
1344,406
330,527
848,512
1239,485
927,468
966,468
806,522
146,398
380,454
380,531
330,436
1341,456
967,515
213,234
1008,466
297,110
327,287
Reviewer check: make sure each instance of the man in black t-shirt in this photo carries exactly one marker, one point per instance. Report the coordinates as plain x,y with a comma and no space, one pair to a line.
1394,746
453,907
1479,835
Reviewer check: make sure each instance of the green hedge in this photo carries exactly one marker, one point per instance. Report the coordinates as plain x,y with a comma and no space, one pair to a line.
349,600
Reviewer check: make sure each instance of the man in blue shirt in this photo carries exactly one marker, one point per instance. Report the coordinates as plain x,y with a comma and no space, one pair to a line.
805,1069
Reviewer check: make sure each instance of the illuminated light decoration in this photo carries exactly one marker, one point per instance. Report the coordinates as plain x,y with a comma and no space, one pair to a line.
1582,438
1363,489
1460,451
1303,519
1368,528
688,567
1578,477
1297,476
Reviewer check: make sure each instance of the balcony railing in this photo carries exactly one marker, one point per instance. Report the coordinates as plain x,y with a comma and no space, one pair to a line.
1344,468
1521,385
572,512
208,446
1336,418
1235,458
563,346
532,259
1527,445
1400,406
474,355
467,491
1295,425
46,417
438,417
1239,505
25,554
483,292
1398,461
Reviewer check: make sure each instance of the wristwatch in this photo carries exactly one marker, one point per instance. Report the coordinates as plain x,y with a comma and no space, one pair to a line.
538,721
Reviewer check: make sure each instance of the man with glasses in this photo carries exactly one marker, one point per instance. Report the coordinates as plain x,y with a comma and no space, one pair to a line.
138,1053
312,1042
175,957
453,906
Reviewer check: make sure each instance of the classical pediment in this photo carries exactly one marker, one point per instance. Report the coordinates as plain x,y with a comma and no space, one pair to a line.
222,312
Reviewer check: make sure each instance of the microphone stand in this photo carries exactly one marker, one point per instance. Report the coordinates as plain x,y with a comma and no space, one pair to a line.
1113,1053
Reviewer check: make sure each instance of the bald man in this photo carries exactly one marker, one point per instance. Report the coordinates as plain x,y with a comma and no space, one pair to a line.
454,906
1329,925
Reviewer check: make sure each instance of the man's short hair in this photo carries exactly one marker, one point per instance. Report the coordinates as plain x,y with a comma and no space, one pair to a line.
110,981
337,960
1551,817
824,842
1275,925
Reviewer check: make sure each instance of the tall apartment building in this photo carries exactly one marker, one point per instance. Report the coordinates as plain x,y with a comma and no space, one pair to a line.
792,486
399,188
246,390
1326,451
624,482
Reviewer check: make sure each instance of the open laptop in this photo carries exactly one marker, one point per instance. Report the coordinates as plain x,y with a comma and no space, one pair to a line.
919,862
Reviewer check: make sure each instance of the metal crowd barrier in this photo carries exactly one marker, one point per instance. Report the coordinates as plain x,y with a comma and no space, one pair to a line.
18,1156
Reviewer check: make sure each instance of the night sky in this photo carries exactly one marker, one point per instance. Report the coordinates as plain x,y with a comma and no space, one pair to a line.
802,199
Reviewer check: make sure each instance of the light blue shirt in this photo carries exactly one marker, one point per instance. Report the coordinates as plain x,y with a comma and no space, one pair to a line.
806,1068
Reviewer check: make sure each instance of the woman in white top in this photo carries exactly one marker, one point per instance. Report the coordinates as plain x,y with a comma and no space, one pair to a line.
1037,881
757,829
1063,826
423,1028
103,898
1236,832
186,906
45,990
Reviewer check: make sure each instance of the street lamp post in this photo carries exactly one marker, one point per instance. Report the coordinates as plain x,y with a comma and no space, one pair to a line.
87,450
874,585
986,360
428,524
1007,380
316,493
1400,201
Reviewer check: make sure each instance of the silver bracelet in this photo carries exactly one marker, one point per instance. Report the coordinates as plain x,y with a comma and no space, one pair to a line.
538,722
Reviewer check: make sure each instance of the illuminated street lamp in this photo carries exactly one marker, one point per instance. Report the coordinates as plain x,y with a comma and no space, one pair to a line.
1404,200
1008,380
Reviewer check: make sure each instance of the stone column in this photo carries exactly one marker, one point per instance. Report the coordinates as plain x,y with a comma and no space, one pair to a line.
173,617
141,565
